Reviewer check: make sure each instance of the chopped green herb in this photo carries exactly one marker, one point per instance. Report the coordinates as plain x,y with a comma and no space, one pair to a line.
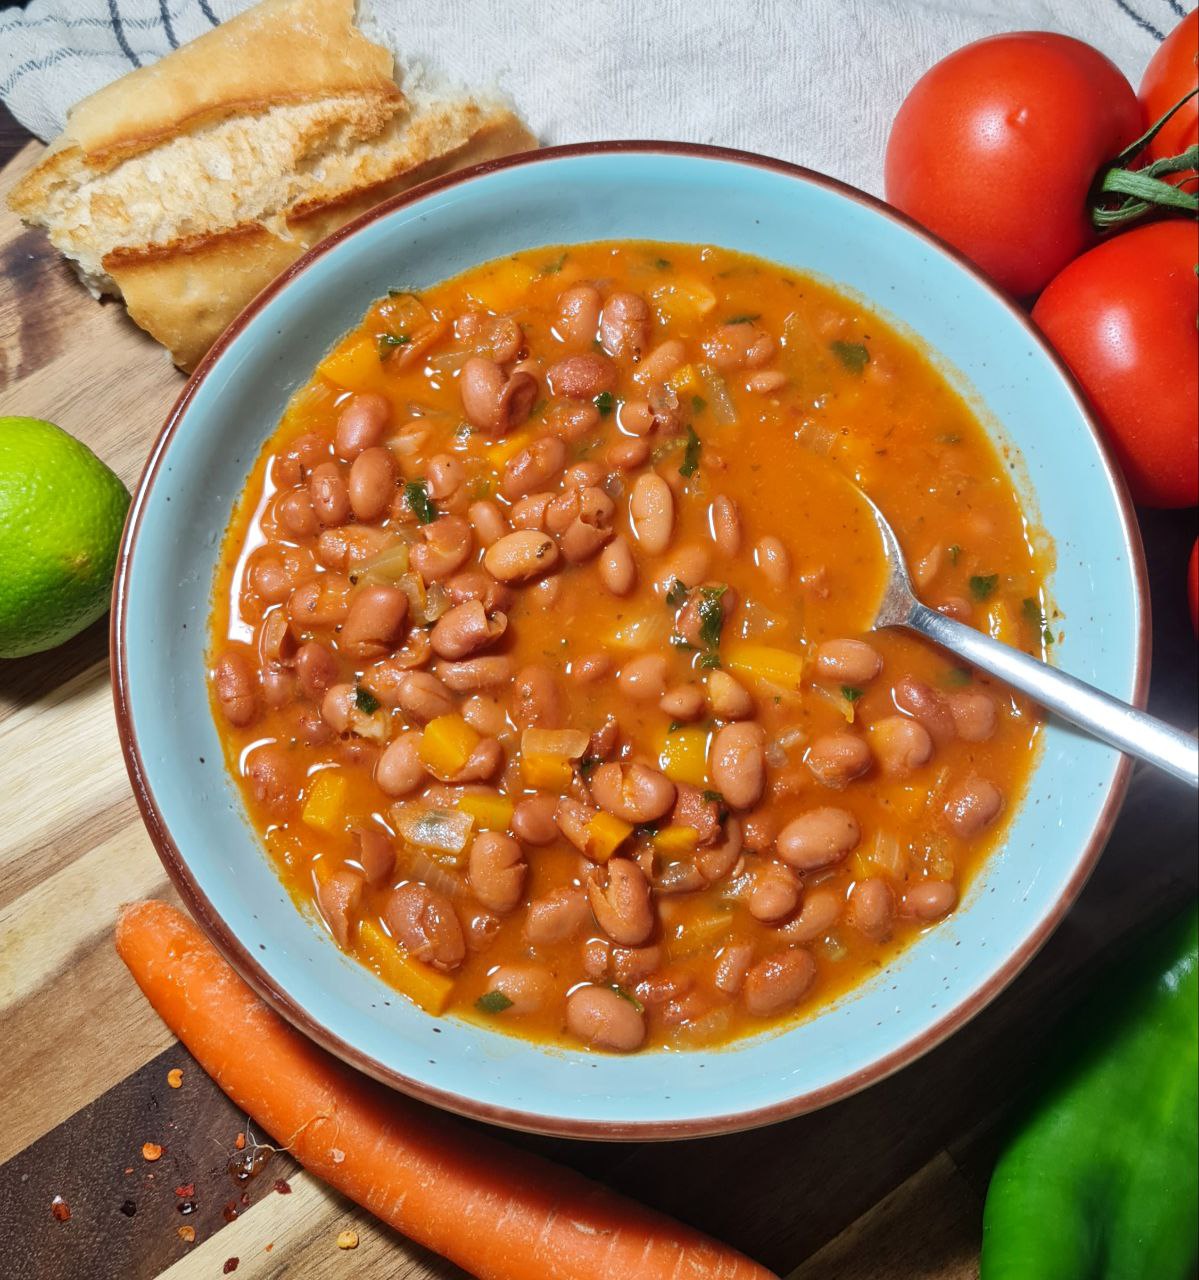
680,642
628,995
855,356
710,661
416,495
538,409
949,437
711,615
957,677
954,552
366,701
691,454
400,293
663,264
588,765
647,828
605,403
675,726
1031,608
493,1002
982,586
698,404
850,694
676,593
1046,635
552,268
747,318
386,342
713,797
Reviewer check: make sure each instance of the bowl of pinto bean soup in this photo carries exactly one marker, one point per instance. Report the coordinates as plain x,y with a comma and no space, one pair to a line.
494,661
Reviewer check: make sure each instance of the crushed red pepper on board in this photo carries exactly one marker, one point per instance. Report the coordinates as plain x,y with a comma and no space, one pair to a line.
347,1239
175,1078
282,1186
239,1143
186,1191
187,1235
230,1266
229,1212
151,1151
60,1209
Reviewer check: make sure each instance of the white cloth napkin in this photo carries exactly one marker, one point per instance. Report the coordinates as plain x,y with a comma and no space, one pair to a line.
812,81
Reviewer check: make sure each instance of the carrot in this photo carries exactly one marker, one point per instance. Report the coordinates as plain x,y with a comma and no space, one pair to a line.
498,1212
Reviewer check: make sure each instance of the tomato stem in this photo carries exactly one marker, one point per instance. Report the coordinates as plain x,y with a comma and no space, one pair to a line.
1145,190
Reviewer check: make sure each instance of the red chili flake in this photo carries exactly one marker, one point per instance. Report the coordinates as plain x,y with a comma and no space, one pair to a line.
229,1211
187,1234
60,1209
230,1266
239,1142
283,1187
186,1191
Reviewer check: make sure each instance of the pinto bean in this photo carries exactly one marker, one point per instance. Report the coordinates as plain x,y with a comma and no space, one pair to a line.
533,819
533,468
475,673
930,900
236,687
278,686
316,668
572,420
338,707
476,584
728,699
295,513
485,714
276,640
329,493
724,521
536,699
578,315
557,916
972,806
304,452
571,818
774,560
624,325
423,921
482,763
372,483
492,402
779,982
275,779
521,556
732,964
465,629
662,361
818,914
496,871
399,770
643,678
339,898
360,424
852,662
836,759
925,704
682,702
445,547
871,909
268,577
582,377
760,829
651,512
716,860
482,929
819,838
632,792
320,602
444,476
739,346
422,696
974,715
375,621
487,520
900,745
617,571
526,987
603,741
530,512
583,519
377,855
766,381
737,763
635,418
627,454
590,668
604,1019
774,894
622,907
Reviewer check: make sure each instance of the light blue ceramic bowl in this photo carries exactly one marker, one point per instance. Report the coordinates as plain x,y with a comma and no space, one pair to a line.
642,191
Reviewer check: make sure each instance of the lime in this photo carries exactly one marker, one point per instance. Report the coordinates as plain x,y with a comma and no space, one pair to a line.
61,515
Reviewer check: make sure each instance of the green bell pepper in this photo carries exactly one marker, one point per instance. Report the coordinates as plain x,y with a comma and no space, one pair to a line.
1100,1181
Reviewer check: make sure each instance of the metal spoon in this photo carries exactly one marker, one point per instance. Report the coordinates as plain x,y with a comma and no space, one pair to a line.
1105,717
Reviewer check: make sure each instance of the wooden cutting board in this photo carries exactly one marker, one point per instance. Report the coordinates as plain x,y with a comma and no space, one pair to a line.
887,1185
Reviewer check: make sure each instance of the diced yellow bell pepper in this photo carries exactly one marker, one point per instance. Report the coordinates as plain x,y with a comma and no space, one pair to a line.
546,773
490,812
605,834
648,632
354,365
505,287
503,451
683,756
699,934
684,300
446,745
688,381
764,662
675,840
421,984
324,806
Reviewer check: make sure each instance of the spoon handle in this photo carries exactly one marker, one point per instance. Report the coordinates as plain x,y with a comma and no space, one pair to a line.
1116,722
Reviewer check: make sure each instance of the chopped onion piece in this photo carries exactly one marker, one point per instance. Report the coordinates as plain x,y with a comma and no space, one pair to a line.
388,566
836,699
816,437
440,829
437,602
421,867
719,400
650,632
570,744
413,586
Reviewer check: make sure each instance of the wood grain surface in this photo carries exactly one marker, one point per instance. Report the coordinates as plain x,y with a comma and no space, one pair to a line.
886,1185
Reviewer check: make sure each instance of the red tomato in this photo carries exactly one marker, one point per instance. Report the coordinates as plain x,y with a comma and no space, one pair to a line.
1172,72
1193,582
996,147
1123,317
